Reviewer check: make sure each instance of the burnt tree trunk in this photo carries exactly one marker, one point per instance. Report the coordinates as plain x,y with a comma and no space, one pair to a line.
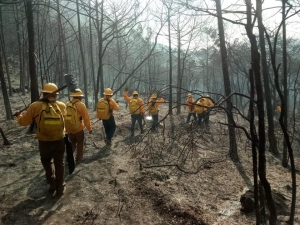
179,83
100,50
265,73
31,53
254,145
255,56
9,115
232,138
2,41
5,141
31,56
170,63
20,50
283,124
82,57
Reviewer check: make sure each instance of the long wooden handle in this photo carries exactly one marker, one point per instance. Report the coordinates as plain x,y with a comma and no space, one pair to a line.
42,99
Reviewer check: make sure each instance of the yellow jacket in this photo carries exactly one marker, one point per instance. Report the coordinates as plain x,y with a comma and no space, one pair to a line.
139,100
209,102
199,106
204,104
32,114
82,113
157,103
112,104
190,107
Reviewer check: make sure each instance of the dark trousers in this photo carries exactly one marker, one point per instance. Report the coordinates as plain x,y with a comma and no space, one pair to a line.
201,117
77,140
189,117
206,118
134,118
109,127
154,121
53,150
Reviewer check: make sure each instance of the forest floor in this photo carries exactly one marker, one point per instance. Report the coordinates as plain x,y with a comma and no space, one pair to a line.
179,175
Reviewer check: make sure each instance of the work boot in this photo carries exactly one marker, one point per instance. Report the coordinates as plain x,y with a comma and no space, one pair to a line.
108,142
52,187
60,191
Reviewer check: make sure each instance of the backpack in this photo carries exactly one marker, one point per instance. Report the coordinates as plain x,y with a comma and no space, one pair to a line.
153,110
72,120
198,108
50,119
134,107
103,109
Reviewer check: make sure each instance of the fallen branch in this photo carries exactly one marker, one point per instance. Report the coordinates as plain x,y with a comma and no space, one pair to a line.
205,165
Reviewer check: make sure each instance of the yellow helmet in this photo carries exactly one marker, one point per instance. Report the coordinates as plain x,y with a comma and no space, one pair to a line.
189,95
135,93
108,91
77,93
49,88
154,96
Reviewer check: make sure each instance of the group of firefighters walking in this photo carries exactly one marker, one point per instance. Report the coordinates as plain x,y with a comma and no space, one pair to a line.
201,108
53,118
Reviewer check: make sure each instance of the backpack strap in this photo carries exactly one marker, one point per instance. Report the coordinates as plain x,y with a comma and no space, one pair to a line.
74,105
56,108
109,109
46,106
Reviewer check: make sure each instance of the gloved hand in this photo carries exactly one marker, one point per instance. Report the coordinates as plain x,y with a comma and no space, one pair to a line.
90,131
143,115
17,114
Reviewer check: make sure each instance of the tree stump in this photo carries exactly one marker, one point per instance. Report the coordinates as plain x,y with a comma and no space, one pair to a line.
247,202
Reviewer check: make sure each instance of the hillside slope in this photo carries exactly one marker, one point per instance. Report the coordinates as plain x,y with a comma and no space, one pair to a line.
179,175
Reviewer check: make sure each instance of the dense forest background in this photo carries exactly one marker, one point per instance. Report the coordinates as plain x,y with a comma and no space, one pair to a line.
245,55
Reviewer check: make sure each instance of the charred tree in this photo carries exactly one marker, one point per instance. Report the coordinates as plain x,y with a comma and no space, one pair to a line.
82,56
5,140
2,41
232,138
255,57
100,50
253,145
31,53
265,73
4,91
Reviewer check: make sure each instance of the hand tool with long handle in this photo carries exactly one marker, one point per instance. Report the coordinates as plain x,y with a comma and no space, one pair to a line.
70,83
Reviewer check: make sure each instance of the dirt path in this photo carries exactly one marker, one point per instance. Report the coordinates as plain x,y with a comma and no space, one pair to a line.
101,189
110,186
